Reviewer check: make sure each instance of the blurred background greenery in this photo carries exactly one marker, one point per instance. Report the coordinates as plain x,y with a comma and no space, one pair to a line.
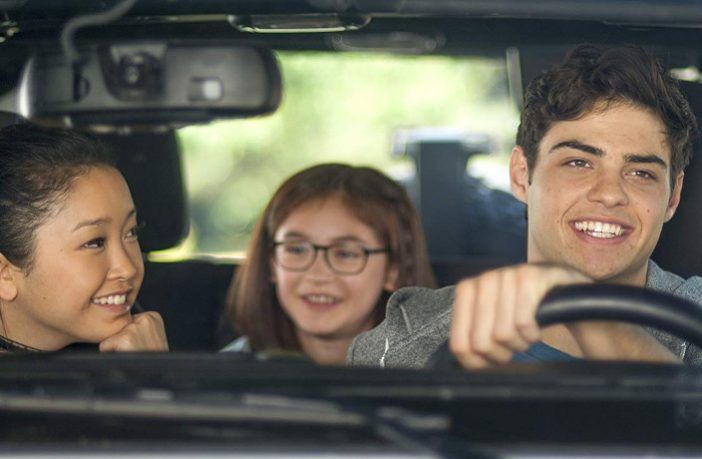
342,107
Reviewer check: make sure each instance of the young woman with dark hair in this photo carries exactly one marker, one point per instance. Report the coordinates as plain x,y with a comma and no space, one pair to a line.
70,263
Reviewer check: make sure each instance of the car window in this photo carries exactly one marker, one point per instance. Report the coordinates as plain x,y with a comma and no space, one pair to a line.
343,107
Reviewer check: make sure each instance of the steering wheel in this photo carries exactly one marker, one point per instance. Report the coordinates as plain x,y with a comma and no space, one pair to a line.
572,303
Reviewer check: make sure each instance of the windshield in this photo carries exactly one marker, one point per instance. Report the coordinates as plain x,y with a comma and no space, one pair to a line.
340,107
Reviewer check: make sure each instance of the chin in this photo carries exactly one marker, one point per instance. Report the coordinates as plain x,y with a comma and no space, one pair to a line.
322,333
603,273
599,269
102,331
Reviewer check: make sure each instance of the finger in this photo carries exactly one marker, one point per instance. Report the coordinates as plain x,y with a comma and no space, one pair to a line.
461,316
151,317
506,333
461,322
115,343
106,346
528,296
476,361
150,332
484,318
145,333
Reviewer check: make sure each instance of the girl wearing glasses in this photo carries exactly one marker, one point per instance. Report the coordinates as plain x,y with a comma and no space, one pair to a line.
330,247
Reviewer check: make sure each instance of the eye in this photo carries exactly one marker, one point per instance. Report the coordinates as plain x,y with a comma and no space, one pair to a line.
346,253
644,174
97,243
134,231
577,163
296,248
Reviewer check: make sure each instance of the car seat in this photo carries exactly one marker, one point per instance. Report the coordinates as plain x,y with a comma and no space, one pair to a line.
189,294
469,227
679,248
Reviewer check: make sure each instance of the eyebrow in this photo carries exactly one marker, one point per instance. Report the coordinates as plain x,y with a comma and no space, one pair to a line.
577,145
349,238
646,159
649,158
100,221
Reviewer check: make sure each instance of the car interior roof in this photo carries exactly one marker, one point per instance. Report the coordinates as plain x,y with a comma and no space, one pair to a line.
469,27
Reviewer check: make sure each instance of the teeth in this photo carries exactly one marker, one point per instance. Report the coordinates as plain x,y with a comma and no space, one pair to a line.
321,299
599,229
112,299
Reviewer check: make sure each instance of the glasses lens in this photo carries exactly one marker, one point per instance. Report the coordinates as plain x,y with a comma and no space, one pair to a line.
294,254
347,258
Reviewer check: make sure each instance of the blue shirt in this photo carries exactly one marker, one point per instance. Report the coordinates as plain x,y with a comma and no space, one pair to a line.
542,352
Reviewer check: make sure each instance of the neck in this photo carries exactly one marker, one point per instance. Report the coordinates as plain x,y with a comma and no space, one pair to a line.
17,328
562,337
635,276
10,346
324,351
636,279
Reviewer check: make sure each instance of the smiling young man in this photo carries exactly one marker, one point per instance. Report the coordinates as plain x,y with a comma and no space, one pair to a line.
601,148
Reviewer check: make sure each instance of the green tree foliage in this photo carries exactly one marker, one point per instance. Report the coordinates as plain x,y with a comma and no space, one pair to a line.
340,107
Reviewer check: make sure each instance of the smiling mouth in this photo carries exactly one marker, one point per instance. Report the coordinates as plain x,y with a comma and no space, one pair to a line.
321,300
117,300
597,229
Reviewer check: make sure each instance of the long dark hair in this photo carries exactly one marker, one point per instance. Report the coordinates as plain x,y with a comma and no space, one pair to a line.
372,197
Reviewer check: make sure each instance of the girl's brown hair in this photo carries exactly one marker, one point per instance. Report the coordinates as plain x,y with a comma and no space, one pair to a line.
372,197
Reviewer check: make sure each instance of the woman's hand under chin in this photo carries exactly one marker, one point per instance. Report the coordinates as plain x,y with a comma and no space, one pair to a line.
146,332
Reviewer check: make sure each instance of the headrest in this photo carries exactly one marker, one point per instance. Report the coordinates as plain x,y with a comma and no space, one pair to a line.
679,249
151,165
150,162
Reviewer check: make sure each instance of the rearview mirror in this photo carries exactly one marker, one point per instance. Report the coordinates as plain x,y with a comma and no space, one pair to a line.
149,85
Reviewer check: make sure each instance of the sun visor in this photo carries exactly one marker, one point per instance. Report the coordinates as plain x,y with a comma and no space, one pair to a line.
149,85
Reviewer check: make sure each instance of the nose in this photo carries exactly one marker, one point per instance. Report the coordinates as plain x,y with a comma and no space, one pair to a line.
320,269
125,262
608,190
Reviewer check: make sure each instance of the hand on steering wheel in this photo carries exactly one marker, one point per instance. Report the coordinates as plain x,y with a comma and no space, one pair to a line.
572,303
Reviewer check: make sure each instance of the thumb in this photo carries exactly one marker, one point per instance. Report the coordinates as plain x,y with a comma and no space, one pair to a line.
113,342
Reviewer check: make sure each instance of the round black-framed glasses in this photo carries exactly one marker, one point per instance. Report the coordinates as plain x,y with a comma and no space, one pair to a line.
344,257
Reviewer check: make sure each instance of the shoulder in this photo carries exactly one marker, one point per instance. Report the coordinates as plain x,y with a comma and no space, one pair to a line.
665,281
421,302
240,344
690,289
416,322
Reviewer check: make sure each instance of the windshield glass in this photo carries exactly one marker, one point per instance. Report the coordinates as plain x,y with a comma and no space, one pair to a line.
341,107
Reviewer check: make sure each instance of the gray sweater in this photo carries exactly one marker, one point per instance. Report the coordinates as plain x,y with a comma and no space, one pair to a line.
417,322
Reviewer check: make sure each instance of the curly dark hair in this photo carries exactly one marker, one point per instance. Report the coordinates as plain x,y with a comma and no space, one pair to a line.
590,75
37,168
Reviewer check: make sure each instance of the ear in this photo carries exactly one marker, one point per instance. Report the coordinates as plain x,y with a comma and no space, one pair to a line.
674,197
391,276
519,174
8,279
